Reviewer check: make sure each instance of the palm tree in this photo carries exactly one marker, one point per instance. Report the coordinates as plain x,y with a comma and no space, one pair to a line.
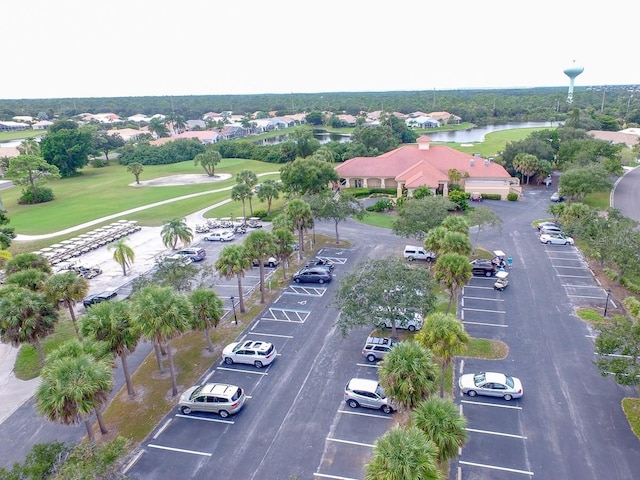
260,245
29,278
157,126
176,230
111,323
250,179
456,223
162,315
123,254
444,335
283,240
408,374
23,261
25,317
234,261
299,213
268,191
29,146
136,168
443,423
207,312
453,271
68,288
241,192
72,388
403,453
208,160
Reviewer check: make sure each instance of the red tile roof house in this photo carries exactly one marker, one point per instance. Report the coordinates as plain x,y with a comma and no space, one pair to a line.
412,166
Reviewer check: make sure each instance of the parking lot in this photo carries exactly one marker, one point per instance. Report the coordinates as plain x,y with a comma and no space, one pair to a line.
295,400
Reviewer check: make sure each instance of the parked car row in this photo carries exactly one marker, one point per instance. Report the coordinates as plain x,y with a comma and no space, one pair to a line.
551,233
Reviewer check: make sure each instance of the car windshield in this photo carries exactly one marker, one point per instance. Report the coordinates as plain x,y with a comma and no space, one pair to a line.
196,392
380,392
509,381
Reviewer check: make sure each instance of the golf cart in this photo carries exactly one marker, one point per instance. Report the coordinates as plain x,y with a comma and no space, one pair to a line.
502,280
499,258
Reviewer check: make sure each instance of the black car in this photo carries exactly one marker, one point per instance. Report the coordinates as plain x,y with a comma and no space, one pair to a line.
100,297
483,267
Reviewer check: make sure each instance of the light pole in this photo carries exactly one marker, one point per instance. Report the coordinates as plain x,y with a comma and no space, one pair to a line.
606,305
233,305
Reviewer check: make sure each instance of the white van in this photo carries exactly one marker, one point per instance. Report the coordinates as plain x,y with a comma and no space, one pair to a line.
418,253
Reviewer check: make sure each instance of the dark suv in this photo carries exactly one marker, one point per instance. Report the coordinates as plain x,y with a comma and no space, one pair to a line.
483,267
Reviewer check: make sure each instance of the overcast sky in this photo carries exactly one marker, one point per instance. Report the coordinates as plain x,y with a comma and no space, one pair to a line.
114,48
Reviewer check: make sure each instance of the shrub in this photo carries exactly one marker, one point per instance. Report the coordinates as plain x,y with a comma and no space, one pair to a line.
99,163
611,274
32,195
493,196
632,287
381,206
260,213
512,197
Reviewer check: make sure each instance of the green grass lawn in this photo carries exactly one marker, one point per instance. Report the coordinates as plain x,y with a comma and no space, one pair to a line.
495,142
99,192
18,135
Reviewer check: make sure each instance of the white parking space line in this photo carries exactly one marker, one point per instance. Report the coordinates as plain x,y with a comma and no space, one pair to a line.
286,315
482,298
486,324
495,467
581,267
307,291
162,429
499,434
370,365
360,414
476,286
485,404
483,310
270,335
180,450
336,477
242,370
203,419
576,276
586,296
349,442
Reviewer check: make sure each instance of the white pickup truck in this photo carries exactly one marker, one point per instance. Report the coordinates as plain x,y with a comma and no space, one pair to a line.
418,253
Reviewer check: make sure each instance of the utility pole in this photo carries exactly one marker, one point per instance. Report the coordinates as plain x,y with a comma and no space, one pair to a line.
604,89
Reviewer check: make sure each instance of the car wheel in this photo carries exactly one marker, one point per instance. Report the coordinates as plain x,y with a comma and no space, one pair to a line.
228,360
297,280
412,328
507,397
548,242
321,281
371,357
488,273
352,404
185,410
387,409
257,364
271,265
411,259
223,413
471,393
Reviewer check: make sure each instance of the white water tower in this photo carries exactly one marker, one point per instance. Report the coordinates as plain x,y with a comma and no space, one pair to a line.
572,72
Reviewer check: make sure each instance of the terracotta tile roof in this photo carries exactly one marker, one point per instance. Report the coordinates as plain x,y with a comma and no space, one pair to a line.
420,166
629,139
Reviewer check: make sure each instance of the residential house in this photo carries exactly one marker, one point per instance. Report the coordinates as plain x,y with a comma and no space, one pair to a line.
10,126
42,125
422,122
446,118
422,164
627,136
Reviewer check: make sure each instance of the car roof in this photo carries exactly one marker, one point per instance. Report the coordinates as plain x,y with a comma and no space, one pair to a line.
363,384
218,389
495,377
257,345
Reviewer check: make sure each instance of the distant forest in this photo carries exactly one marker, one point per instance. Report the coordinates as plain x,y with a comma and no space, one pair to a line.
617,105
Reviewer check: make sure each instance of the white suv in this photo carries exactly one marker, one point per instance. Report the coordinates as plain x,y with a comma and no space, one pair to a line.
375,348
407,322
361,392
256,353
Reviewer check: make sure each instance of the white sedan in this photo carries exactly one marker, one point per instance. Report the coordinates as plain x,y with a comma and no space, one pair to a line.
491,384
220,236
549,238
